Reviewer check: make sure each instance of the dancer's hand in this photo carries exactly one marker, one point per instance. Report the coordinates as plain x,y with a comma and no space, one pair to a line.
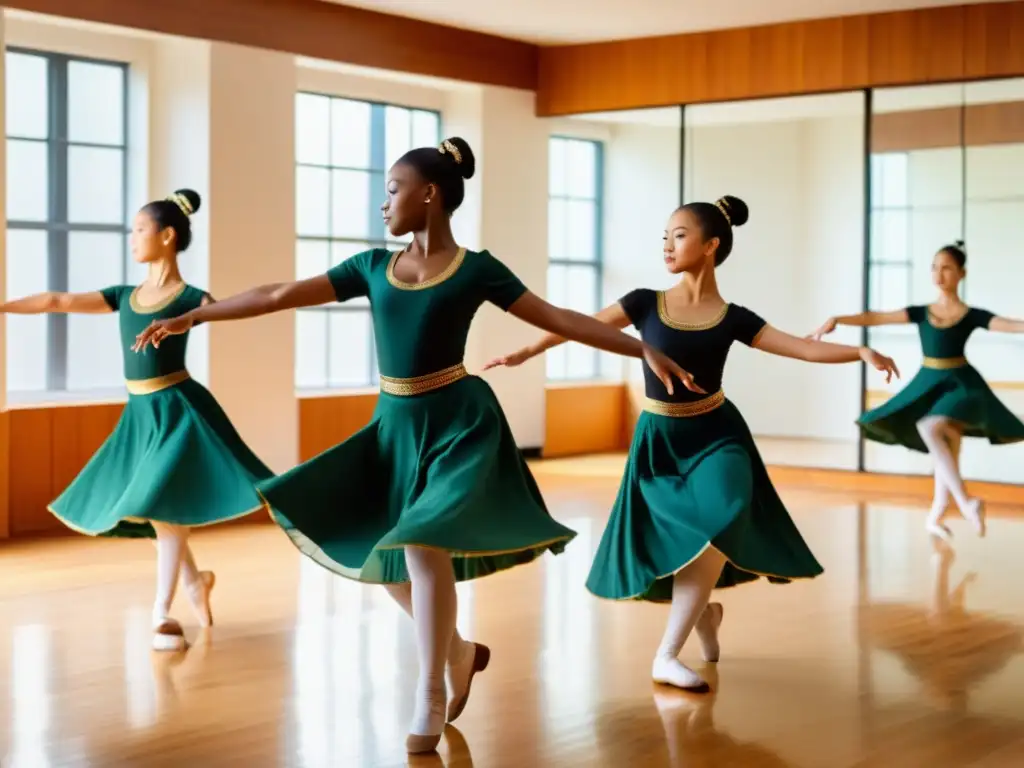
159,330
826,328
666,369
879,362
510,361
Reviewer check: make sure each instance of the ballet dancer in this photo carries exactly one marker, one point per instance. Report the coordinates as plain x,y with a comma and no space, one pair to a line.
696,509
948,398
174,461
433,490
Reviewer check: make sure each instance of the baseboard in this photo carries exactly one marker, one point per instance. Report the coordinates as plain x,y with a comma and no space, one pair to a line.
531,453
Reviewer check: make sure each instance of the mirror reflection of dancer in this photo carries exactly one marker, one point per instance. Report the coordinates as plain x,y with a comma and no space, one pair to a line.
174,461
433,490
948,398
696,507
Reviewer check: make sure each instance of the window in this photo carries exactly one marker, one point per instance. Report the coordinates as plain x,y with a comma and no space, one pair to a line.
574,246
343,149
66,215
891,262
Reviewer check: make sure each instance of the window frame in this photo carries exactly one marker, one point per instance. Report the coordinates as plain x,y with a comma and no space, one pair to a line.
597,263
56,225
378,236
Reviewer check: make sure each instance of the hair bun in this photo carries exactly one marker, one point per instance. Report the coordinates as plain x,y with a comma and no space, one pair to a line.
193,198
466,162
959,244
739,214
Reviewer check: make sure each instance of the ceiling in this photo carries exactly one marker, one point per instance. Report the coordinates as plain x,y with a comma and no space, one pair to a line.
580,21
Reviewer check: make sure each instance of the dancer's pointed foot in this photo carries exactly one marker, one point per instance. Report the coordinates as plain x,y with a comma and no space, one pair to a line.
939,530
707,631
459,675
974,512
199,596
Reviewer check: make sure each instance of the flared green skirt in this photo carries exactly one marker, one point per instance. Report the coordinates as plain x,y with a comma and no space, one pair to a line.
174,457
959,394
690,484
438,470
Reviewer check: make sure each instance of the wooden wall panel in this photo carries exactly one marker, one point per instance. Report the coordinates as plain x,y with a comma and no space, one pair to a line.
5,473
582,419
320,30
899,48
326,421
982,125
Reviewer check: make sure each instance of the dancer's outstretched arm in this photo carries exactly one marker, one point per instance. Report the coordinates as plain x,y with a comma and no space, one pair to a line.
1006,325
862,320
263,300
56,302
776,342
564,324
613,315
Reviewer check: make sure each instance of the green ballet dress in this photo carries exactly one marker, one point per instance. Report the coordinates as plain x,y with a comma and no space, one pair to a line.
946,385
694,477
437,465
173,457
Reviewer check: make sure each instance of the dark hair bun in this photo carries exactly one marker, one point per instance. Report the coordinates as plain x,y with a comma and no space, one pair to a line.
468,165
959,244
739,214
193,198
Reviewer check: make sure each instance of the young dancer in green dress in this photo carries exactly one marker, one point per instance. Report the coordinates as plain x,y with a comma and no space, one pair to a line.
433,490
948,398
174,461
696,508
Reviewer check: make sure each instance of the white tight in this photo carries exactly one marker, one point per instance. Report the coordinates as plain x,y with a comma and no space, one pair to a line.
173,556
942,437
434,611
691,590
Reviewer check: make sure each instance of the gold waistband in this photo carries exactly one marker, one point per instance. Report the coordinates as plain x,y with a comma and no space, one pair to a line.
685,410
420,384
149,386
944,363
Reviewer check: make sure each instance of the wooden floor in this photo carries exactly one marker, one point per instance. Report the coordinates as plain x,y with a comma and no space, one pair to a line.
901,655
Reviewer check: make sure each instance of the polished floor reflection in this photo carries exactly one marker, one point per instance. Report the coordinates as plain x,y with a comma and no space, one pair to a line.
901,655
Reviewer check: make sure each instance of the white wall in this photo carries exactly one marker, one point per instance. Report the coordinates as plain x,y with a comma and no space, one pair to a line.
797,261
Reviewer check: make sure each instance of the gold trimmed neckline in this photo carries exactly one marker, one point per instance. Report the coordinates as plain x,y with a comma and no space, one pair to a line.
149,309
943,325
447,272
676,325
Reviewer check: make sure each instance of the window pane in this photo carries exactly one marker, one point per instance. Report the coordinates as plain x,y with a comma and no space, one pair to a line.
350,133
342,251
27,273
558,219
95,260
311,258
574,288
27,89
397,134
95,103
27,172
426,129
890,236
890,180
350,203
890,286
581,231
582,168
557,165
312,201
349,349
312,129
557,362
311,348
95,185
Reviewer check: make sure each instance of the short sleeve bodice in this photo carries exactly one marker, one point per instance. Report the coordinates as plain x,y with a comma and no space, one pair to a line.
948,341
422,329
701,349
169,357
